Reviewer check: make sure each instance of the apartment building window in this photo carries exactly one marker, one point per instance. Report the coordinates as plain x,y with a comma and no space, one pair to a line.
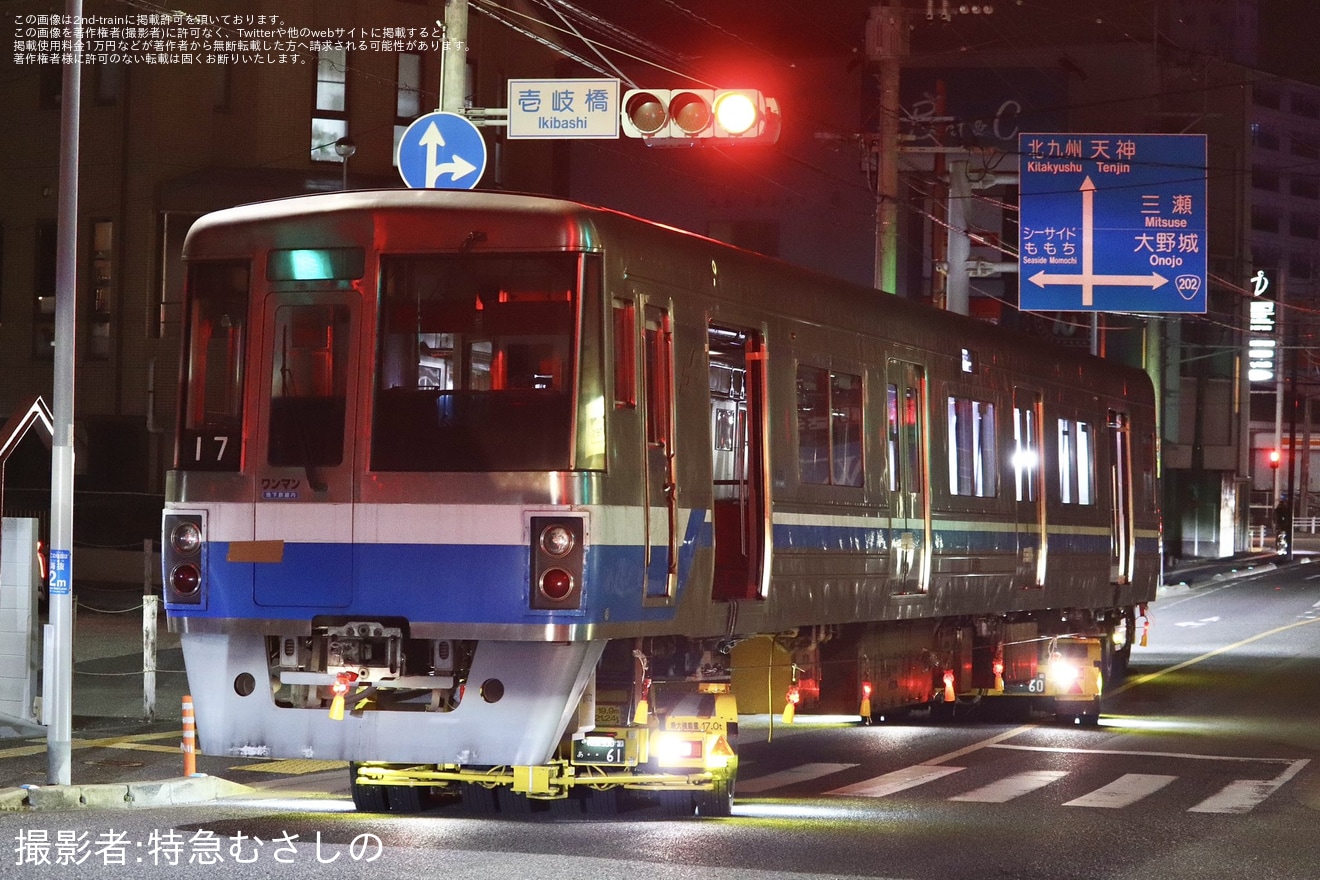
408,97
1304,146
1264,138
103,284
1263,220
222,86
1304,187
1305,105
1264,178
1305,226
1263,96
1301,267
330,117
43,283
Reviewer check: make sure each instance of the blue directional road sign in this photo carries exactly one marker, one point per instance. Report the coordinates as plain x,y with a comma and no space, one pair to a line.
441,150
1112,222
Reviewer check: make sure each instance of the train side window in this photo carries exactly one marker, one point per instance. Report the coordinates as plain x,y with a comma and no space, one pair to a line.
813,411
1085,464
657,373
1067,457
891,435
1076,463
210,436
829,427
973,458
625,354
1026,453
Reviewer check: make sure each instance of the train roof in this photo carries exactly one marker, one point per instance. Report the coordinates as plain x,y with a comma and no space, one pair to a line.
668,249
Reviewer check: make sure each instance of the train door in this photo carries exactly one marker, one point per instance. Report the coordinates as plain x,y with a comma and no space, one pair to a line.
305,451
741,489
909,478
661,496
1028,489
1122,535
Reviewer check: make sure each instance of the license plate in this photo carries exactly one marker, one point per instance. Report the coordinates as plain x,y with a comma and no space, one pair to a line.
611,752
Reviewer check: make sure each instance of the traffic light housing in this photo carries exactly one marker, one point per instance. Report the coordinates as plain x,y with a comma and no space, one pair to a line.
684,117
1274,459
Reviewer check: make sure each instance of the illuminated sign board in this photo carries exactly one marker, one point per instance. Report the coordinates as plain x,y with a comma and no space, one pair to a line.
1262,331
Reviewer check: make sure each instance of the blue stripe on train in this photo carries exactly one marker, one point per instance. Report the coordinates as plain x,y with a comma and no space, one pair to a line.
491,583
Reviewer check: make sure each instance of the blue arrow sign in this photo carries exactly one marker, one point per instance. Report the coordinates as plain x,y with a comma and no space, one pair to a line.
1112,222
441,150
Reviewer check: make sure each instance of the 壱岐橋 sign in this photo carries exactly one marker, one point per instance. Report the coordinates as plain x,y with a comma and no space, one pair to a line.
1112,222
563,108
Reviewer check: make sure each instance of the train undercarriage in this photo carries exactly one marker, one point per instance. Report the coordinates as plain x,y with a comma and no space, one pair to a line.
657,718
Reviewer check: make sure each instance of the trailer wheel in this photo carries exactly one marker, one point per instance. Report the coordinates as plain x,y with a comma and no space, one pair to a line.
716,802
408,798
366,798
477,799
677,804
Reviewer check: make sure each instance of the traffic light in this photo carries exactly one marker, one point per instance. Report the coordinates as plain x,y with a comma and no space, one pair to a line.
1274,459
682,117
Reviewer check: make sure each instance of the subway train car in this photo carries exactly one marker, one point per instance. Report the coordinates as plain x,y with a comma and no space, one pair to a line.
521,501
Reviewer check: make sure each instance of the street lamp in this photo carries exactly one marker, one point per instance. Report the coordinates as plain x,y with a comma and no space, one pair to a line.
344,149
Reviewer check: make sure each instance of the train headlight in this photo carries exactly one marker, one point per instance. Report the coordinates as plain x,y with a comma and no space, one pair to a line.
185,579
557,540
186,537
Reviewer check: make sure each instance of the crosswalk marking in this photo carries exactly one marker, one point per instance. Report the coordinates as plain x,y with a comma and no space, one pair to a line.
1011,787
899,780
1123,791
792,776
1239,796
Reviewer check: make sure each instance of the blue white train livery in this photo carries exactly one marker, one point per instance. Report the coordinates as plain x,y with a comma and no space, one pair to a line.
521,501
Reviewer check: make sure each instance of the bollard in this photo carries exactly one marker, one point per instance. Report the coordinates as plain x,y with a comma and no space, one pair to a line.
189,738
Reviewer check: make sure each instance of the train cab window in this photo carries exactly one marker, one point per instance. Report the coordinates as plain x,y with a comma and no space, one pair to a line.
210,433
476,367
829,427
973,459
309,385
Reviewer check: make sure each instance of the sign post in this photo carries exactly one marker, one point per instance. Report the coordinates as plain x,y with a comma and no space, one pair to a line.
1113,222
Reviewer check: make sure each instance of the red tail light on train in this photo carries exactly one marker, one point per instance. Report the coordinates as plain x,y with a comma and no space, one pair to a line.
557,562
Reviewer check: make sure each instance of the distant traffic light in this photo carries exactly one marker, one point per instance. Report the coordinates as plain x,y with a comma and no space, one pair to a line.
682,117
1274,459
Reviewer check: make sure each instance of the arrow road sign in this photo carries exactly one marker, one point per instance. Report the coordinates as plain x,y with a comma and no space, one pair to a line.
441,150
1113,222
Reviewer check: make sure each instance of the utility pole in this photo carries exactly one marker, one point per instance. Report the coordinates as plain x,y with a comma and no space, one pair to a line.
453,63
887,45
58,660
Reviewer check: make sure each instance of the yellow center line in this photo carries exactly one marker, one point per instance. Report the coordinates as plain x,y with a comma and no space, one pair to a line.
1151,676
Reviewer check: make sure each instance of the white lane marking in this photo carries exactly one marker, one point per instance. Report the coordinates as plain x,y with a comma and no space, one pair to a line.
899,780
1242,795
1011,787
1127,789
791,776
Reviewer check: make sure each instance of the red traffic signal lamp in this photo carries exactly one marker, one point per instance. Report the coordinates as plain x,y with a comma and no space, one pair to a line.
1274,459
682,117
